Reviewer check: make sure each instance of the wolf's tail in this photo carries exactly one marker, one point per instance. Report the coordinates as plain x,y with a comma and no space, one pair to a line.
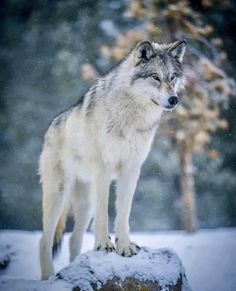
58,236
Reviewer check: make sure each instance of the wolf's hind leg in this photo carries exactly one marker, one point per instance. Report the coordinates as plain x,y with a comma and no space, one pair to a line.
53,205
51,213
82,205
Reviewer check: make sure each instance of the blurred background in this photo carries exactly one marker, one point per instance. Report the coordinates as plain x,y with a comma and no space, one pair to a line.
50,53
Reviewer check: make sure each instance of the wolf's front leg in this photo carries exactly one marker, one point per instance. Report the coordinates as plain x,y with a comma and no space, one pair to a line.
126,186
102,238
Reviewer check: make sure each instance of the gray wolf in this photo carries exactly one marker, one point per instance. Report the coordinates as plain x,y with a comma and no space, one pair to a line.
106,136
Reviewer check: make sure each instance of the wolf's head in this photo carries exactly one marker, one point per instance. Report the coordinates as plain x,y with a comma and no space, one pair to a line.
157,74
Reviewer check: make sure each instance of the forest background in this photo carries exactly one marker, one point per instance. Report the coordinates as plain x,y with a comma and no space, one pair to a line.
50,51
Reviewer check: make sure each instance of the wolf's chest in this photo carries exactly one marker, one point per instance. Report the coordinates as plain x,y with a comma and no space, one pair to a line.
122,149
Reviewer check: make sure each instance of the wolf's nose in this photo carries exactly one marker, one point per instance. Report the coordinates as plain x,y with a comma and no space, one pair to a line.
173,100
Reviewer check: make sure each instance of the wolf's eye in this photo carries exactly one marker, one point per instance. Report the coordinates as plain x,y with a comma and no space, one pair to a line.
173,77
155,77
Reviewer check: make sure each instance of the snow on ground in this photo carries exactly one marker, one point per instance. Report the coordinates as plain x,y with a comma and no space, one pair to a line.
208,256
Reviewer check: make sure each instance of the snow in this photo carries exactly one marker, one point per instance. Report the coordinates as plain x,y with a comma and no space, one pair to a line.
208,256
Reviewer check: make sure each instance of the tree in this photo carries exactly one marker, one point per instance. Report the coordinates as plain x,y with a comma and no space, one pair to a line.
208,86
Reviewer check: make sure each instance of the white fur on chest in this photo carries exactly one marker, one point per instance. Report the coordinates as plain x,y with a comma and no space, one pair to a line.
113,151
126,148
92,143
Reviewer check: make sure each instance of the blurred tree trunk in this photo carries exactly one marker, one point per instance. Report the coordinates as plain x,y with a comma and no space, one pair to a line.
189,219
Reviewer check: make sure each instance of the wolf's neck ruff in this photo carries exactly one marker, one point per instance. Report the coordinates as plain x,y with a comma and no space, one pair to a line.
125,105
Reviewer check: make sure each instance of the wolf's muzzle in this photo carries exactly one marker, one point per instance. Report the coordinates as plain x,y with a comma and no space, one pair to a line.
155,102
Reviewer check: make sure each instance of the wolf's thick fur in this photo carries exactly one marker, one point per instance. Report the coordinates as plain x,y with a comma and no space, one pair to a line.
107,135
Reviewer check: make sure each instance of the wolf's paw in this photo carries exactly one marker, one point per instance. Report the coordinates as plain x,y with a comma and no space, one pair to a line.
105,246
126,249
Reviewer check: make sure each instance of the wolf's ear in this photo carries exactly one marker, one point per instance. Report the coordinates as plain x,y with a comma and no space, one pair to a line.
144,51
177,49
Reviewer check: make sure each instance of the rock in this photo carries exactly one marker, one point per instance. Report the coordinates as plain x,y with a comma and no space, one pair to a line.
149,270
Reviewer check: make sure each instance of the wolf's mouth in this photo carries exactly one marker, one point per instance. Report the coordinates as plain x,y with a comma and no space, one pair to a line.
155,102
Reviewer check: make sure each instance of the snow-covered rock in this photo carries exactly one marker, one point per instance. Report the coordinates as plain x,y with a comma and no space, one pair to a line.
150,269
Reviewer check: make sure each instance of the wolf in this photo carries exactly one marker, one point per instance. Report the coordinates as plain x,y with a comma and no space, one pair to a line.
106,136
